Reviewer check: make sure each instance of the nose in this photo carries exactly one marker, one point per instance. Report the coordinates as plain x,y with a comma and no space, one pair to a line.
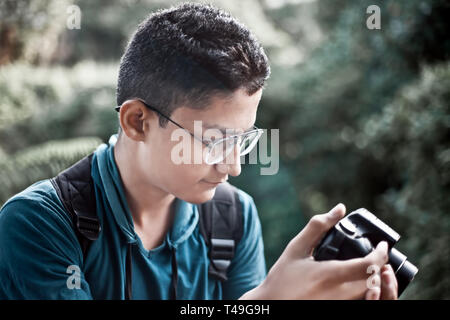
231,164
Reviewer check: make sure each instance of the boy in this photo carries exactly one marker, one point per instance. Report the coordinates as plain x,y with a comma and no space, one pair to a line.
186,65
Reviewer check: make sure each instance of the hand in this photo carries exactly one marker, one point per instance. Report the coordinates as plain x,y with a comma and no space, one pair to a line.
296,275
387,286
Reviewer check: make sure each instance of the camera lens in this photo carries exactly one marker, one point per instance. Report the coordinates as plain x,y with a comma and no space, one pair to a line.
404,270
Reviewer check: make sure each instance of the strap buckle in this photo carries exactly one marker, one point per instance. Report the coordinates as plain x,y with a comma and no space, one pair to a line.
222,251
88,227
222,248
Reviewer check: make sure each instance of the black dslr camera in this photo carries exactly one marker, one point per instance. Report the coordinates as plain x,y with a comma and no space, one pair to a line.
356,235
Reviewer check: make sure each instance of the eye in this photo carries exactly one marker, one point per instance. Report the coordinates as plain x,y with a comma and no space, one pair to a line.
207,141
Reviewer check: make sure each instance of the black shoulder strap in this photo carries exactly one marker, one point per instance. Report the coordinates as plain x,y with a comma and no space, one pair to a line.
220,218
221,226
75,189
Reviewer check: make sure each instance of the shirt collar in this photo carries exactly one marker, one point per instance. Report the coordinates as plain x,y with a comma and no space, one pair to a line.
106,175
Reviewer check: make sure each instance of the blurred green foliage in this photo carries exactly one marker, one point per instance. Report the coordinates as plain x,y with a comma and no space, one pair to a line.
363,114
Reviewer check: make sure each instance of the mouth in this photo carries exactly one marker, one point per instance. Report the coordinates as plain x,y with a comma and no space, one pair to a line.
213,183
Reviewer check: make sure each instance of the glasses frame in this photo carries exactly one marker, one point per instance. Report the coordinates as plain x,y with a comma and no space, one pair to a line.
209,144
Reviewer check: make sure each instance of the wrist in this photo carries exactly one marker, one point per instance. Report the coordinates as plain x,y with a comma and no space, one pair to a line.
258,293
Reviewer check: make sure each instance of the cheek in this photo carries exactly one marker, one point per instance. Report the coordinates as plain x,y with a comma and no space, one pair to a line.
176,177
185,176
181,180
184,182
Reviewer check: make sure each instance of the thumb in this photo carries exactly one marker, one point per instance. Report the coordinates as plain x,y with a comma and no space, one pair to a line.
304,243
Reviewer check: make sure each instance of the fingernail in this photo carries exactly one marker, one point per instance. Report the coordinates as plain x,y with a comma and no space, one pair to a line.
383,245
334,211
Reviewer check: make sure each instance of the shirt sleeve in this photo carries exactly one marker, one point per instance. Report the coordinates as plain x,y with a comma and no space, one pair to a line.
40,257
248,268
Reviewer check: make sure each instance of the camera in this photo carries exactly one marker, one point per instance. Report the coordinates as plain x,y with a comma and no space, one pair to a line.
356,235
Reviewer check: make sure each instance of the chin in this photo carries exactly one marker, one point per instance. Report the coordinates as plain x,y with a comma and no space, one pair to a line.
200,197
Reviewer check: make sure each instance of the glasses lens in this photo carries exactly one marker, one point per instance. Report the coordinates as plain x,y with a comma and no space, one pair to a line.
220,150
249,142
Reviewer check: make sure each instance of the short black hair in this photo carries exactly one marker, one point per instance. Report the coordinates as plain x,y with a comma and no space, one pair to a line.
188,53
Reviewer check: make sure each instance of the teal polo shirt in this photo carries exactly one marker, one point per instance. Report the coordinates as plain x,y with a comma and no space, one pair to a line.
40,256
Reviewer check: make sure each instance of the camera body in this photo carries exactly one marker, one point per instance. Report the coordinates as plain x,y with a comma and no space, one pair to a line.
356,235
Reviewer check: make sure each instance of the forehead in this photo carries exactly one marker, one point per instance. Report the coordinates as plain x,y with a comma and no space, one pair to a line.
236,112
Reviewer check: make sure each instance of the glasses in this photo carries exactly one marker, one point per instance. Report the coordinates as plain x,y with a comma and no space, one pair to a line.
219,149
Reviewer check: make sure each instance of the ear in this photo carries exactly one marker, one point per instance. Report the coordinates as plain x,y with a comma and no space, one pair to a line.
135,119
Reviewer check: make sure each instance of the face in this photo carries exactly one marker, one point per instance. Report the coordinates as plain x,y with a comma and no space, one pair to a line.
194,182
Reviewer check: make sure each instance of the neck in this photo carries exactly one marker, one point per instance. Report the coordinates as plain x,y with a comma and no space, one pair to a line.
146,202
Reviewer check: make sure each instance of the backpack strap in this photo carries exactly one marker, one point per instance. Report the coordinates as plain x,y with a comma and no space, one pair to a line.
221,227
75,189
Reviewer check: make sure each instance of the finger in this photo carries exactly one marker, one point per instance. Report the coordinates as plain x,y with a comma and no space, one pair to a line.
354,289
303,244
379,256
361,268
373,286
388,266
344,291
373,294
389,289
371,280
